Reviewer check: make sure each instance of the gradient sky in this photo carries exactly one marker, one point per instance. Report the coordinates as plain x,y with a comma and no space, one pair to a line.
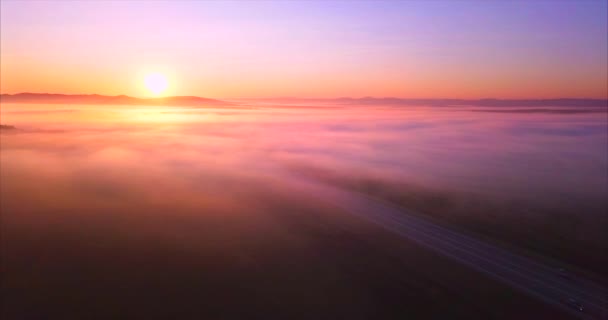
417,49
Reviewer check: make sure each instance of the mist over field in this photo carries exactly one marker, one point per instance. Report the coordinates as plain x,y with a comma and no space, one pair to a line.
128,193
114,155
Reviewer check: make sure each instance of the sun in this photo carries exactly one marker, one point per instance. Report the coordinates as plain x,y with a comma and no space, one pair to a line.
156,83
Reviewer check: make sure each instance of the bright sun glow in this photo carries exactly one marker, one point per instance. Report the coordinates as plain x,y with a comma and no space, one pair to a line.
156,83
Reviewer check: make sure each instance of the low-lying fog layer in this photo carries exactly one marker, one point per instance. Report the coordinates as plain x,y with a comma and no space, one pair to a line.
537,178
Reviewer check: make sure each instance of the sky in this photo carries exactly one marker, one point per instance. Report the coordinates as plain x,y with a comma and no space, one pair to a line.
408,49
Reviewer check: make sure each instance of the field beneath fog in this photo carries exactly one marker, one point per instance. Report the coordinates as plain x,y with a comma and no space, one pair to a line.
89,188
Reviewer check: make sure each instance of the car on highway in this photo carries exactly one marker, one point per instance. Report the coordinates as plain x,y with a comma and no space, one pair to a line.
576,304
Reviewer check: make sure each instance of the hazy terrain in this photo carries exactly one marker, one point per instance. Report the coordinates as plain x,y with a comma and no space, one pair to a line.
96,99
145,210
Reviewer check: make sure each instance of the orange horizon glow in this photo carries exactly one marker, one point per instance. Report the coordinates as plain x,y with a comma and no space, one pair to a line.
16,78
211,51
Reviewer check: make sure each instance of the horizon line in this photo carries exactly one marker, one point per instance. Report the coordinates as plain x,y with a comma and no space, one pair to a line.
308,98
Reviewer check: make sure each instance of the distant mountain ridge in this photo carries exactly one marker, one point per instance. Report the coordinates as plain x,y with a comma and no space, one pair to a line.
52,98
557,102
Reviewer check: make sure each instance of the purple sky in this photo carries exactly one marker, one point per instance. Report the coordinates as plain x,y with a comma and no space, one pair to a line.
460,49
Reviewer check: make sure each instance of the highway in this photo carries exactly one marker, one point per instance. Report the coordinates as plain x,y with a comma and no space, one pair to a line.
538,279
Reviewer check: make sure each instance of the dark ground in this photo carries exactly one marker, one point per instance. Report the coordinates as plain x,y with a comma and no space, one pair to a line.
285,259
